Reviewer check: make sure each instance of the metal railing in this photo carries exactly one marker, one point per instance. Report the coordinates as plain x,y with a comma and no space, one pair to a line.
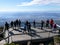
28,33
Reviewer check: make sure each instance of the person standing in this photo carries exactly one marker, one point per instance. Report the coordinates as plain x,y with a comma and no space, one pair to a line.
6,26
47,23
29,27
19,23
11,23
15,25
55,27
51,23
34,23
25,28
42,24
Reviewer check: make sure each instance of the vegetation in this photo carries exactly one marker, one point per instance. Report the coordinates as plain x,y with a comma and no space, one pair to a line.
51,43
57,39
11,44
6,44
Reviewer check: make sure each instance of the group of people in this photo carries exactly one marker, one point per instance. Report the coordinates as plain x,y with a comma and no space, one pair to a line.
27,25
48,24
16,23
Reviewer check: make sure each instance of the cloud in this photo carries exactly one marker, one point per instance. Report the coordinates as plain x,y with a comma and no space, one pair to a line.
40,2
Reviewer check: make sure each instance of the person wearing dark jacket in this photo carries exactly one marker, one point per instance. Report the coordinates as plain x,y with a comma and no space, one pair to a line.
42,24
29,27
34,23
6,26
19,23
11,23
25,27
47,23
55,27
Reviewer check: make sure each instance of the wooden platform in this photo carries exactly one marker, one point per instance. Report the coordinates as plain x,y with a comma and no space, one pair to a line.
35,34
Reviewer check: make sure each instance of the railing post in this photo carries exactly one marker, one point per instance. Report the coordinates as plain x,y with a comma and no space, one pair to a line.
59,31
8,35
28,43
46,43
48,34
41,44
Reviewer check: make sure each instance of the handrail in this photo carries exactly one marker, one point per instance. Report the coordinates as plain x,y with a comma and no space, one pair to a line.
25,33
58,25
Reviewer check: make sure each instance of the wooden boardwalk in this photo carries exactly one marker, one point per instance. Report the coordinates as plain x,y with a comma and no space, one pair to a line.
36,33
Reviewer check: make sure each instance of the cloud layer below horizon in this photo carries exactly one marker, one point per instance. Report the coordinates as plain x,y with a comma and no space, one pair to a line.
40,2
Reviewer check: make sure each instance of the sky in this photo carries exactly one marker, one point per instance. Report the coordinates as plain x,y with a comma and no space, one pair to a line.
29,5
